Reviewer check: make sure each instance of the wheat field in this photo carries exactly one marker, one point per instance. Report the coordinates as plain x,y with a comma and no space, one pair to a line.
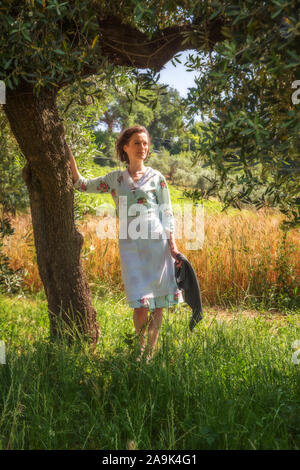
244,256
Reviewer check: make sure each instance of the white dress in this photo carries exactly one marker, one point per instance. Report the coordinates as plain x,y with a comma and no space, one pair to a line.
147,265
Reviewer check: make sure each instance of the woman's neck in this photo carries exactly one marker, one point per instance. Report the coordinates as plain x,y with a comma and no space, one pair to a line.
136,168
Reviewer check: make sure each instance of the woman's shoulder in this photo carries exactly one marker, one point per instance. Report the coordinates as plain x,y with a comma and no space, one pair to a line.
157,173
114,174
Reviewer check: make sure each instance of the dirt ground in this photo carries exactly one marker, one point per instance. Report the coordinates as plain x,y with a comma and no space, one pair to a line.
231,314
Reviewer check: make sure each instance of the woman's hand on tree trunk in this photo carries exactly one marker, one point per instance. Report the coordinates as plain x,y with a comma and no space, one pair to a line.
74,169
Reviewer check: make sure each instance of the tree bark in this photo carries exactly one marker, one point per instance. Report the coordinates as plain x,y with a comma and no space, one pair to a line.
126,45
40,134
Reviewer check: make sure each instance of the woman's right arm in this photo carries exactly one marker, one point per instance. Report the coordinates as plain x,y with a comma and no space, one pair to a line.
101,184
74,169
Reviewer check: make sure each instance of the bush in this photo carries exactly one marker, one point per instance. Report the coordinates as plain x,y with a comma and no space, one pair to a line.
179,169
13,192
11,281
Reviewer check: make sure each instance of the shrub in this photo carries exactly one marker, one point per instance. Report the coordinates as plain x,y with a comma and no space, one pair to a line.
11,281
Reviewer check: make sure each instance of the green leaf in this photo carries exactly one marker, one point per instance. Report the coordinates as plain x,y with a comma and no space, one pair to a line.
10,84
26,35
215,14
7,63
294,55
291,65
236,19
276,13
15,79
142,99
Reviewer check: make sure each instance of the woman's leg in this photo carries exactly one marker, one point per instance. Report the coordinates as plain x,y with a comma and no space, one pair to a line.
140,320
153,329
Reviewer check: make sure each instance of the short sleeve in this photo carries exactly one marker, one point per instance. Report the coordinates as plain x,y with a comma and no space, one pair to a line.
165,207
101,184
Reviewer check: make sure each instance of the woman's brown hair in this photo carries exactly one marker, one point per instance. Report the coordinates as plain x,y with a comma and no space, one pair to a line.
124,138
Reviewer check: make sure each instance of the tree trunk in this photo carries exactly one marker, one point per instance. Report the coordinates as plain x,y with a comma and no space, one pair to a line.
40,134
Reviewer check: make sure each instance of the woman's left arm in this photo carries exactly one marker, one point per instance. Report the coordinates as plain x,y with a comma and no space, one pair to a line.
164,201
172,243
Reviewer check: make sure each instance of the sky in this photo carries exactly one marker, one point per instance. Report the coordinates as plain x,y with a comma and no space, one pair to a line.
177,77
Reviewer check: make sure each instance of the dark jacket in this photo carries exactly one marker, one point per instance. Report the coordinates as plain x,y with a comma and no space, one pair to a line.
186,279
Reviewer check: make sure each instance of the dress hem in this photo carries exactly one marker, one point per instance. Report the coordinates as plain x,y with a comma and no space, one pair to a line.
152,303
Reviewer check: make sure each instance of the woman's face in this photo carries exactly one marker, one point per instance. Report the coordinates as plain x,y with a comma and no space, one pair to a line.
138,147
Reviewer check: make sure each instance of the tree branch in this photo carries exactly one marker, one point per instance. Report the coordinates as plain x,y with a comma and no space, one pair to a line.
125,45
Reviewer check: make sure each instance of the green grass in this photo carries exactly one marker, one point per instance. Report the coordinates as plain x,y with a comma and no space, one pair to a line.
228,385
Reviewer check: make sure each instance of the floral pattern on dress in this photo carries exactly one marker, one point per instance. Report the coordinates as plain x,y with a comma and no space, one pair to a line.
165,301
83,187
162,184
176,295
103,187
144,301
142,200
168,212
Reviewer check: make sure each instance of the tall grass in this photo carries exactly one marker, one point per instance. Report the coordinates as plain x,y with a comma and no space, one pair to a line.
231,384
245,258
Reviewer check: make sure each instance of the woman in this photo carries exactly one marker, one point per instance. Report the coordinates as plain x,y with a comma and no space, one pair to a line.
146,254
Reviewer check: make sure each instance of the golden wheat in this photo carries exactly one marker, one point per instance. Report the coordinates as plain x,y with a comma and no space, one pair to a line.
240,254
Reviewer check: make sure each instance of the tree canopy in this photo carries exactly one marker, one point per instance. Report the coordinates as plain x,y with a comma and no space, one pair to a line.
51,43
247,53
246,90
